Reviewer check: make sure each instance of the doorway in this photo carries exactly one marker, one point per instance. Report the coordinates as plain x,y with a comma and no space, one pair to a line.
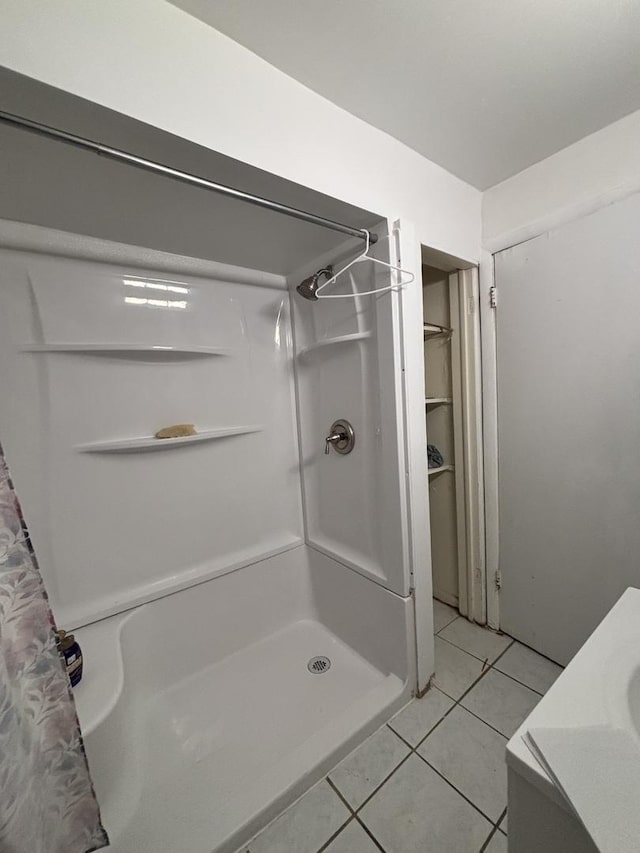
454,433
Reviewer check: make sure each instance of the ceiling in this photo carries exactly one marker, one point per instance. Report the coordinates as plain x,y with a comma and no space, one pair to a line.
484,89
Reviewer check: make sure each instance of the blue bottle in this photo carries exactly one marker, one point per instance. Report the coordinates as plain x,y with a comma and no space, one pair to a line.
72,653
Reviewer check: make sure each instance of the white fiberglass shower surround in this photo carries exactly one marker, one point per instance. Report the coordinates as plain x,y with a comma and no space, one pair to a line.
203,575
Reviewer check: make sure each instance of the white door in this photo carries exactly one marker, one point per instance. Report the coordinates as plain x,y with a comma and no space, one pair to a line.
568,361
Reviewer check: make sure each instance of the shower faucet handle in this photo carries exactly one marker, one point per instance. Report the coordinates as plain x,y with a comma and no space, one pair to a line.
334,438
341,437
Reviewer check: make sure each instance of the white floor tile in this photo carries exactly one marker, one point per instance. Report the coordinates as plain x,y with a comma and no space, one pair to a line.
530,668
416,810
306,826
421,715
442,615
455,670
501,702
498,844
471,756
352,839
478,641
360,773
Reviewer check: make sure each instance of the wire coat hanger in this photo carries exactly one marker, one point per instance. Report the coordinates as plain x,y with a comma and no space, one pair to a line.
364,257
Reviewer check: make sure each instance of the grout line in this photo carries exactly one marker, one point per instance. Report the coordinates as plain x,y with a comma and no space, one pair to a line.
531,649
336,834
456,702
405,742
384,782
471,654
336,790
437,633
414,749
517,680
489,839
451,785
503,653
370,834
489,725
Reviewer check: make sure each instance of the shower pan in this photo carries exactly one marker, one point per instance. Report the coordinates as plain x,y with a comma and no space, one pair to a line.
242,597
207,732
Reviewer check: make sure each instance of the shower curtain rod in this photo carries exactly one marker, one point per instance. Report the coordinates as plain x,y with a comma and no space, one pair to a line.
185,177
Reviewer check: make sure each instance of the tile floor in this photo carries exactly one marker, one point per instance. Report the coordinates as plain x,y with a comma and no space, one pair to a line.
433,778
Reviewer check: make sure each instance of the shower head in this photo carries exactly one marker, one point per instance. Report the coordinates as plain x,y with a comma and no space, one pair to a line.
309,287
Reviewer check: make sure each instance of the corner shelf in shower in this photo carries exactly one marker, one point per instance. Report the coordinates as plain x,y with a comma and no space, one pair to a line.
438,401
440,469
140,351
147,443
432,330
340,339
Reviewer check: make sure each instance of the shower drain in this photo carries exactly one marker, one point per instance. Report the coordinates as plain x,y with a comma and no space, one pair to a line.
318,665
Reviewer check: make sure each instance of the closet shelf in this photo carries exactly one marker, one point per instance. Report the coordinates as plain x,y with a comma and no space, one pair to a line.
147,443
340,339
436,401
433,330
440,469
133,350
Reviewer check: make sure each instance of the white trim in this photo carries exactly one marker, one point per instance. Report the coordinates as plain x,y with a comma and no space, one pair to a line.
490,435
415,426
459,440
566,214
471,364
403,449
23,237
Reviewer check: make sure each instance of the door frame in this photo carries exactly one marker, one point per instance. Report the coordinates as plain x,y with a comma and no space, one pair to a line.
488,343
411,255
467,359
470,483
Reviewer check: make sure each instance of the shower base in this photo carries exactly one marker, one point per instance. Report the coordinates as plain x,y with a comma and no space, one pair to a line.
220,744
198,758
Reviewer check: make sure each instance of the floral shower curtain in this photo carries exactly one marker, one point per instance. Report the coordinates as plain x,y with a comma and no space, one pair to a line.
47,802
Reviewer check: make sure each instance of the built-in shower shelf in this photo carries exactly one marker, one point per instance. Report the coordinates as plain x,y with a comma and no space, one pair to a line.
146,443
433,330
440,469
437,401
142,351
340,339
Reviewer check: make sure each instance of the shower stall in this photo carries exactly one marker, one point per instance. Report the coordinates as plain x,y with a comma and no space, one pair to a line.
244,595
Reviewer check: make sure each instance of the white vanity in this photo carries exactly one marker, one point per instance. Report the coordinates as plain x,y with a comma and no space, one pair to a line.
596,701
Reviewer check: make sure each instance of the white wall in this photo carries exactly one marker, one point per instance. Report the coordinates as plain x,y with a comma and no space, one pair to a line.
595,171
151,61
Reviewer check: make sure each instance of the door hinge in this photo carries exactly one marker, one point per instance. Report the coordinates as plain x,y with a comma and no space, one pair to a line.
493,296
498,579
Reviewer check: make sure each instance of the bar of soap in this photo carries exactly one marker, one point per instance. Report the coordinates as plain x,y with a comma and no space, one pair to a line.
176,431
